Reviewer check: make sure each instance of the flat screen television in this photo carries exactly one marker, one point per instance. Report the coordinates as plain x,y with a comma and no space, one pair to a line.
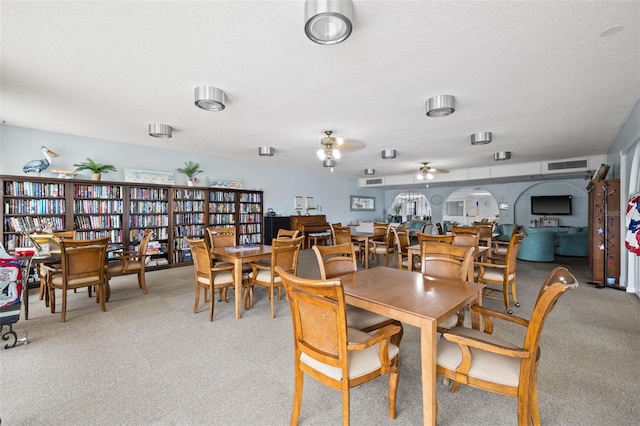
547,205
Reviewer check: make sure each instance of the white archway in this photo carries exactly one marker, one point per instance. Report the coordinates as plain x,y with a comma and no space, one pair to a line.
468,205
409,204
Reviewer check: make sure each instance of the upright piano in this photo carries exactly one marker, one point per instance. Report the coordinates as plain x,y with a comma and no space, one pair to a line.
311,224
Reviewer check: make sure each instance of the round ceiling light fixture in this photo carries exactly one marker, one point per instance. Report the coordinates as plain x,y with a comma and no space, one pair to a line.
502,155
369,172
388,154
209,98
481,138
328,21
266,151
441,106
160,130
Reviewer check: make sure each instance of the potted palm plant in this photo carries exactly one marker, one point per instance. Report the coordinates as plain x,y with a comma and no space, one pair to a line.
190,169
96,168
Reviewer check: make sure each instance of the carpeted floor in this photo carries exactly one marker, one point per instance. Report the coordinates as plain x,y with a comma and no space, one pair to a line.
149,360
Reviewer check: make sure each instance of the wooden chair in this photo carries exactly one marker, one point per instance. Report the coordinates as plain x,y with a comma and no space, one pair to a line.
284,253
326,349
130,263
343,235
209,276
500,247
333,234
385,246
485,361
338,260
226,237
401,239
45,269
286,233
465,237
446,261
446,239
83,265
501,273
440,229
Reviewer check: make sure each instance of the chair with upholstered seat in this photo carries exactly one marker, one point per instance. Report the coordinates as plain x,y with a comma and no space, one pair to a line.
500,276
465,237
343,235
401,239
333,234
449,262
326,349
384,246
83,265
483,360
446,239
500,247
208,275
284,253
338,260
123,263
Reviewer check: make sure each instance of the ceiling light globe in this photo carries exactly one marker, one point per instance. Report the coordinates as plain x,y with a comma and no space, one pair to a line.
420,176
321,155
336,154
429,176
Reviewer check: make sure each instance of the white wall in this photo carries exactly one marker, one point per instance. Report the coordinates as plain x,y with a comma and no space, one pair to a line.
330,191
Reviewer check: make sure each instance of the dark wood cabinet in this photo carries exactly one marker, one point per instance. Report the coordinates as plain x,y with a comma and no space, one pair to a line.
272,224
604,230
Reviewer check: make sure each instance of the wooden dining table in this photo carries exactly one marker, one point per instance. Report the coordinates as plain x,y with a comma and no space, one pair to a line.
417,300
364,238
239,255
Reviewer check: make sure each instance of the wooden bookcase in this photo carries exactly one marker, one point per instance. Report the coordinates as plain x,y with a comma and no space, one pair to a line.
123,211
604,228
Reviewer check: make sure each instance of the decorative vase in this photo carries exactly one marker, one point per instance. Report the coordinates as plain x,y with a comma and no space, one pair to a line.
96,176
189,183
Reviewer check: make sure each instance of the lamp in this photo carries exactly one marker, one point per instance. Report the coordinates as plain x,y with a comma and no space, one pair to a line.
426,172
502,155
209,98
441,106
388,154
481,138
328,21
369,172
328,154
266,151
160,130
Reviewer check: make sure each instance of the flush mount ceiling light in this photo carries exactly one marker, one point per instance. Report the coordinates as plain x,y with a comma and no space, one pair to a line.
328,21
502,155
426,172
388,154
209,98
266,151
369,171
328,154
481,138
160,130
441,106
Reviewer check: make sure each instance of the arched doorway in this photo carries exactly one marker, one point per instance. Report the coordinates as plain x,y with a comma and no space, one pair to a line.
468,205
409,204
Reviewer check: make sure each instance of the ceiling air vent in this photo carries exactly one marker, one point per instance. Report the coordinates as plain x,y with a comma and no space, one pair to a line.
377,181
564,165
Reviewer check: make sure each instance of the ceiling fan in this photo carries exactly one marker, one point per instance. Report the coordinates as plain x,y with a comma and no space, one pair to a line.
427,172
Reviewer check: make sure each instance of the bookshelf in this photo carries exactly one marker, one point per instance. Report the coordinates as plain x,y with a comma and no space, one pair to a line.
222,208
149,209
97,211
250,217
188,221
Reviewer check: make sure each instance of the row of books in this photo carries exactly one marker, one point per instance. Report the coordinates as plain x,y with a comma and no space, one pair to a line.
189,193
250,208
148,194
98,206
251,239
249,229
139,221
98,191
197,206
29,223
33,189
159,233
34,206
149,207
188,218
188,231
222,219
93,222
250,197
114,234
222,196
250,218
222,207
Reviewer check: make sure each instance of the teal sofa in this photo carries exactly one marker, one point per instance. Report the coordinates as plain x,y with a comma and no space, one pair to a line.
572,243
538,246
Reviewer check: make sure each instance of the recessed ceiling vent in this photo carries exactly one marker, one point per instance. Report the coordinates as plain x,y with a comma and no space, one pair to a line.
564,165
377,181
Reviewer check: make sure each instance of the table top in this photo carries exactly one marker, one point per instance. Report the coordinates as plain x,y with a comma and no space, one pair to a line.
259,251
405,295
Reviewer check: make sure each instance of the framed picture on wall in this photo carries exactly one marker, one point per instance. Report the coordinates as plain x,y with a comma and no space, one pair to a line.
297,202
310,204
362,203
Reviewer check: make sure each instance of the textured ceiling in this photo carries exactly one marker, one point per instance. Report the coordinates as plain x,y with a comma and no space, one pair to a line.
536,74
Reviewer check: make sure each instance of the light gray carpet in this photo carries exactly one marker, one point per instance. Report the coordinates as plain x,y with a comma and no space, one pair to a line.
150,360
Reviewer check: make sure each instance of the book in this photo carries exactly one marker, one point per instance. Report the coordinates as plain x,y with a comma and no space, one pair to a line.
246,247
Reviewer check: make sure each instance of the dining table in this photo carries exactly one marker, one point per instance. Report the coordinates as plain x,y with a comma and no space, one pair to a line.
417,300
363,239
237,255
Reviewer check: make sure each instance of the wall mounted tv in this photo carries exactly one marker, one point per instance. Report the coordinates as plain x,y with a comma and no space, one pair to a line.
551,205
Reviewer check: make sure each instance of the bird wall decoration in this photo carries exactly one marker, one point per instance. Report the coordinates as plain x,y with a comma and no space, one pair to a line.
38,166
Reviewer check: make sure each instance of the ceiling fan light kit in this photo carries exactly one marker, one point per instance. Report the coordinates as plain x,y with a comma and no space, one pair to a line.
502,155
328,21
328,154
441,106
266,151
160,130
388,154
209,98
481,138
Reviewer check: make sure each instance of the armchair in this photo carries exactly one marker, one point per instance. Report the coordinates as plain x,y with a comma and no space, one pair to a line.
132,263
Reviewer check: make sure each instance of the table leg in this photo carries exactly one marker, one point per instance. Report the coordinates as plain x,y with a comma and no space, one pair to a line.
366,253
237,280
476,318
428,349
